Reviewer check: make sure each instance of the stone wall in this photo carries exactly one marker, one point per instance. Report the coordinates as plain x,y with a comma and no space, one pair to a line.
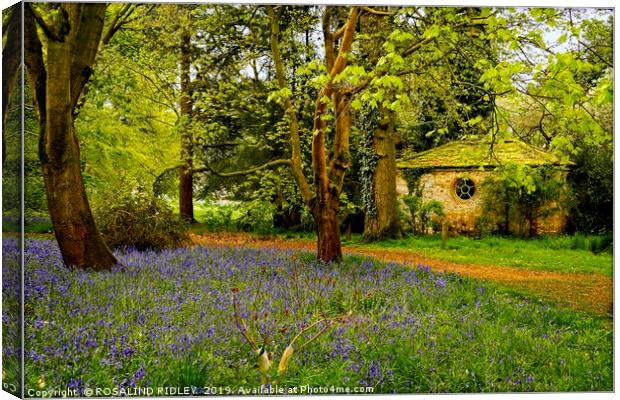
462,215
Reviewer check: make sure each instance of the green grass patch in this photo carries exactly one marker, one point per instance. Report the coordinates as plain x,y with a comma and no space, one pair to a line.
32,225
557,253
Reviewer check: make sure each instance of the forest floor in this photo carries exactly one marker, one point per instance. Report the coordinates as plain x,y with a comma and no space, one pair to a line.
591,292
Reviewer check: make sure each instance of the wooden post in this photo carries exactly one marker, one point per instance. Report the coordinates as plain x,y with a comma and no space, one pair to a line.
444,233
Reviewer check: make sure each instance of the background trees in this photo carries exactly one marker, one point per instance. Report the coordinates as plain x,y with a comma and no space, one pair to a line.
302,111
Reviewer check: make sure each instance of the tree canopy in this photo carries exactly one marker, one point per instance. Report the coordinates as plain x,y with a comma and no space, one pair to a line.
298,107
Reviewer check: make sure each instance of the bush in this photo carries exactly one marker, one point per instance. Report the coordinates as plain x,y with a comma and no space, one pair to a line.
424,215
255,216
517,197
218,217
595,244
258,217
599,244
136,219
592,181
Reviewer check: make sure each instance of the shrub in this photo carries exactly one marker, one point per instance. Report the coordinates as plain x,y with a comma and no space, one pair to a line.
592,181
219,217
255,216
424,215
137,219
518,196
595,244
599,244
579,243
258,217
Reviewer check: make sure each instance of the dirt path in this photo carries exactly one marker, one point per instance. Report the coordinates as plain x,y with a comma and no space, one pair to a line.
585,292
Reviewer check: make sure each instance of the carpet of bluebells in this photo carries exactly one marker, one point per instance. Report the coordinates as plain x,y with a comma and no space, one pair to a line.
167,319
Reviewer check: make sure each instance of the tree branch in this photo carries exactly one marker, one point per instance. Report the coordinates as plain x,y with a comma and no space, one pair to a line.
295,162
378,12
338,34
88,35
328,38
591,50
416,46
319,159
47,30
119,20
220,145
269,164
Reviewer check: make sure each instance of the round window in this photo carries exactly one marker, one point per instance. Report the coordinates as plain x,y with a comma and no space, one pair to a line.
465,188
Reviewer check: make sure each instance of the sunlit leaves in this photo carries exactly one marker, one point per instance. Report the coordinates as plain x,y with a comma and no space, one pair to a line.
278,96
351,75
432,32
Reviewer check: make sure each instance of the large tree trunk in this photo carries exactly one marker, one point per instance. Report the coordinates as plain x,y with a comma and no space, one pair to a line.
383,222
57,89
328,231
79,240
186,178
11,57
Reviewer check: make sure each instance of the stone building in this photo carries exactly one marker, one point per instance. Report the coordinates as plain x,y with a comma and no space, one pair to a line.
453,174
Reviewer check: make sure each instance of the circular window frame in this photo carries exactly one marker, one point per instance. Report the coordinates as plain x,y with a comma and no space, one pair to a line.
472,188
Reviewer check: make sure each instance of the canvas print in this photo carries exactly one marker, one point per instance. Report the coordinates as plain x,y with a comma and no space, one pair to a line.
306,199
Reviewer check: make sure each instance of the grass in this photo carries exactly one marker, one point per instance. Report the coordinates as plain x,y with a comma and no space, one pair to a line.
545,253
168,319
564,253
32,225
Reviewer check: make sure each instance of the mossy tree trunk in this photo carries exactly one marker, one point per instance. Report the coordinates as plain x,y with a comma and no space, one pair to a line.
383,222
71,46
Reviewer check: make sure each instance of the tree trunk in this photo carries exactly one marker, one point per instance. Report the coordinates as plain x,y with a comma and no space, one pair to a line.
328,180
56,92
328,231
383,223
79,240
11,57
186,177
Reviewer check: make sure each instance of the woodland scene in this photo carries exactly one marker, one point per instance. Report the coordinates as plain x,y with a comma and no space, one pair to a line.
243,199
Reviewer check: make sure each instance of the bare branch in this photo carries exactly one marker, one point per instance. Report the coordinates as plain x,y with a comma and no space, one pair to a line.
338,34
269,164
591,50
220,145
240,322
378,12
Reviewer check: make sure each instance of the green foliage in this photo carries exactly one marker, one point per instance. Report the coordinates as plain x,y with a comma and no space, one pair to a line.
423,215
559,99
277,189
592,183
258,217
368,158
447,101
134,218
595,244
125,127
517,196
254,216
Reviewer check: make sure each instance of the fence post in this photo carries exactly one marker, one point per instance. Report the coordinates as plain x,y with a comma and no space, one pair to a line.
444,233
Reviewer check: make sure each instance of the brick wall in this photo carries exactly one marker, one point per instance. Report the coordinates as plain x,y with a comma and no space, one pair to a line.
462,214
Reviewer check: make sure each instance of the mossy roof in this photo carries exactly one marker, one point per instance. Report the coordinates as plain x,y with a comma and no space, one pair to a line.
476,154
